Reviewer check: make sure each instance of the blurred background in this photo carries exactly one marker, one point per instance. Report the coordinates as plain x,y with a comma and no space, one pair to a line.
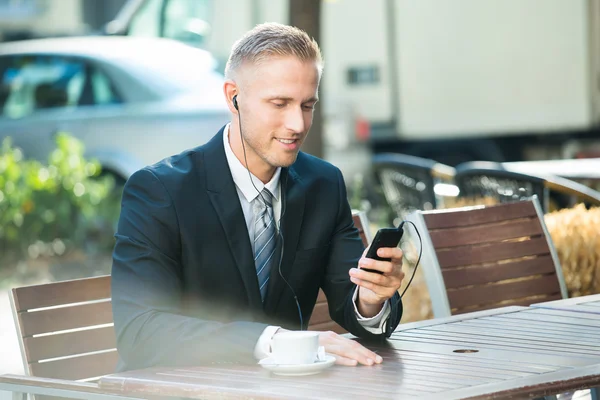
425,104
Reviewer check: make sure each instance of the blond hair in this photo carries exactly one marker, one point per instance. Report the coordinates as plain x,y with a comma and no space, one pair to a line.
272,40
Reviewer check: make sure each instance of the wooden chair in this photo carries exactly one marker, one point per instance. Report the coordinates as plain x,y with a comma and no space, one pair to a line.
320,319
66,335
477,258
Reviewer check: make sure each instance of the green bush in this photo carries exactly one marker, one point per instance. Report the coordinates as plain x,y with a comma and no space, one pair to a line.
48,209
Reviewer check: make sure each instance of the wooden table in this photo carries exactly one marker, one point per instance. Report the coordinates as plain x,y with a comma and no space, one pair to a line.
584,304
512,352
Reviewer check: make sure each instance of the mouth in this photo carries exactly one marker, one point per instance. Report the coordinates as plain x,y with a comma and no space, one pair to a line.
289,144
287,141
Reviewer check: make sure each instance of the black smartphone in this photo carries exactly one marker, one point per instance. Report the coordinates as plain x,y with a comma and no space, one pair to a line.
385,237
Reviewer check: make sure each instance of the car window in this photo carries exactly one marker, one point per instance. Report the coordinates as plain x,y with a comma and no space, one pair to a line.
187,21
34,83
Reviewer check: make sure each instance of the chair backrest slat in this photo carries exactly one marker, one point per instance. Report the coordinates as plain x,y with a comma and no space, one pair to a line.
65,318
482,257
61,293
478,215
70,344
497,292
66,328
483,274
486,233
494,252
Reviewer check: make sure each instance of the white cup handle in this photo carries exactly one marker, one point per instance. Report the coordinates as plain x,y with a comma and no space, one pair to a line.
321,353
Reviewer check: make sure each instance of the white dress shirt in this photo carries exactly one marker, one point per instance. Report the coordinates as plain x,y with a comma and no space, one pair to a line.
248,194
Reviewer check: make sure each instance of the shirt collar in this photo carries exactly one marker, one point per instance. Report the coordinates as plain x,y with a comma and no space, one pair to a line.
240,175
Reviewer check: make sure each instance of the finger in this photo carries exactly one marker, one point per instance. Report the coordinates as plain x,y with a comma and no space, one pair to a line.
382,292
387,281
349,351
368,357
348,362
395,253
371,355
340,345
385,267
372,277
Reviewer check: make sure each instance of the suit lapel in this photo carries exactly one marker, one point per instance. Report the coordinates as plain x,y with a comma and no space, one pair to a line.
225,200
291,223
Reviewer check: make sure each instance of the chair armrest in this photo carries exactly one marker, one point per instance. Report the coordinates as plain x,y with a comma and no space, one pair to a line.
56,387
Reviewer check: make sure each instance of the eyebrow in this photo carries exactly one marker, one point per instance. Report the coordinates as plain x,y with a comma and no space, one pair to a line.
284,98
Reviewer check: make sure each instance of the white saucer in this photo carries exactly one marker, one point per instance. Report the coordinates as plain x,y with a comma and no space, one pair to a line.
297,369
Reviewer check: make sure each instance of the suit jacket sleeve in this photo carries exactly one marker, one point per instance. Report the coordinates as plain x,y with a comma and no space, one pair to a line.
346,250
147,289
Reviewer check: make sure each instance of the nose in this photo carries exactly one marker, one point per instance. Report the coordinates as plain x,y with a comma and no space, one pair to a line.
294,120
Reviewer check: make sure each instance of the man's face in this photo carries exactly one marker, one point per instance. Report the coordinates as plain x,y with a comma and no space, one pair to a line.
276,100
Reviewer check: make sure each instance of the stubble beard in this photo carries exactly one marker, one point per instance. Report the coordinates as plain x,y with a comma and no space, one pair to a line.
264,155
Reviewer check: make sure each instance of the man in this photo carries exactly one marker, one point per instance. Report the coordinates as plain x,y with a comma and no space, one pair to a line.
224,246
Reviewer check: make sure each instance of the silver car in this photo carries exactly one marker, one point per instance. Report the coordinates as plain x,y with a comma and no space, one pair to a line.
131,101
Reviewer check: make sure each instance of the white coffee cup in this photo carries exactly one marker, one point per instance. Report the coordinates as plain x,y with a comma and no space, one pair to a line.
295,347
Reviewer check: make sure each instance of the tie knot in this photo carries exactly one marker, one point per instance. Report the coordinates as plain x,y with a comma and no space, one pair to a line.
267,197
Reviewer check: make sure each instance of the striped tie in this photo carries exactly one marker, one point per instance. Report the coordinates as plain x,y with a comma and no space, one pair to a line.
264,240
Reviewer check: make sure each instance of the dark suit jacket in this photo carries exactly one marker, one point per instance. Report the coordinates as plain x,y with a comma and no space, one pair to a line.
184,285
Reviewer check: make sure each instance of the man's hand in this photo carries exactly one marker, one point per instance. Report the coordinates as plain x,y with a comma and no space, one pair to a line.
375,289
347,352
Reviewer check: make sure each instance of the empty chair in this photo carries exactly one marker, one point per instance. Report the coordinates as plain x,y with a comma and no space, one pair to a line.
75,319
483,257
65,331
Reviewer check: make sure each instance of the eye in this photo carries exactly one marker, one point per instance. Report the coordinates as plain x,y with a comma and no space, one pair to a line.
279,105
309,107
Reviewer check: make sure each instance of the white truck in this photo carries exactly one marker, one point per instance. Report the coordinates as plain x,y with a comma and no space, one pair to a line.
451,80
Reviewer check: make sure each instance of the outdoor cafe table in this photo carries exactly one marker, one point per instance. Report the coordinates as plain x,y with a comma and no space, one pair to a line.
584,304
511,352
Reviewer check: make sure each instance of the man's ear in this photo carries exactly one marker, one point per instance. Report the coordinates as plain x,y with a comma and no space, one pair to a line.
230,89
